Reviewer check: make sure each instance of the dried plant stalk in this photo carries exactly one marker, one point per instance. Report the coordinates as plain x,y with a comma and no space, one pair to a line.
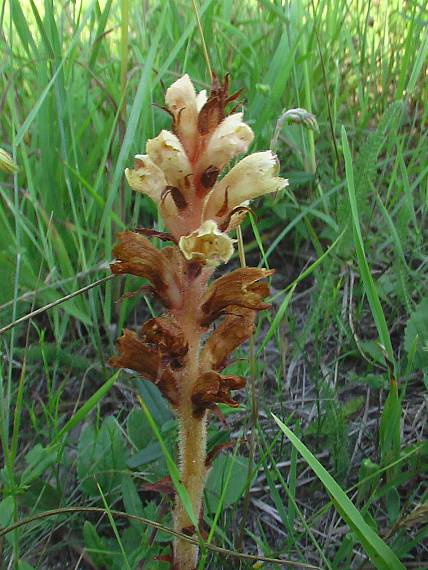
180,173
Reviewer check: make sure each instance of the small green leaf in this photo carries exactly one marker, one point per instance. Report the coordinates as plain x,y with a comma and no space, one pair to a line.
416,335
7,507
154,401
150,453
131,498
139,430
95,546
227,471
102,457
38,460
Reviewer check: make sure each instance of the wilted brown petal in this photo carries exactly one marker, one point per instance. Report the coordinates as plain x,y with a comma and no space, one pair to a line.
241,287
165,335
137,356
236,328
135,255
150,232
163,486
212,388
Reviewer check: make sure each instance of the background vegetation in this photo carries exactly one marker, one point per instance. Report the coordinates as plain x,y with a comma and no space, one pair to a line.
341,359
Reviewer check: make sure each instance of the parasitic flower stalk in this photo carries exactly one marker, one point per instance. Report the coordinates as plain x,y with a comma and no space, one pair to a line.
181,351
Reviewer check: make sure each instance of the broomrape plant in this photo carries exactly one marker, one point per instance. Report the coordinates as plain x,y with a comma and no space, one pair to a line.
181,351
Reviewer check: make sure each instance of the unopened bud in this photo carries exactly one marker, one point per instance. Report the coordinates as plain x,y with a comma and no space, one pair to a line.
301,117
7,164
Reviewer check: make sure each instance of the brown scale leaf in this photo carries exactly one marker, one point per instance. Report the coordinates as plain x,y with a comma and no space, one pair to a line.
236,328
135,255
212,388
213,112
136,355
241,288
149,232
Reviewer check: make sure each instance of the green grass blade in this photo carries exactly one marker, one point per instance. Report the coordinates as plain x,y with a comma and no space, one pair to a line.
366,276
89,405
32,115
380,553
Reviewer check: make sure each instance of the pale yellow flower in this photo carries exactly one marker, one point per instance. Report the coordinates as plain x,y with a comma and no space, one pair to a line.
167,152
184,104
231,137
207,244
146,178
253,176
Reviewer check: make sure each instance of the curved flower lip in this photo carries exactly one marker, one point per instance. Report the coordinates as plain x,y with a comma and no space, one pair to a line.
207,244
146,178
180,95
230,138
253,176
167,152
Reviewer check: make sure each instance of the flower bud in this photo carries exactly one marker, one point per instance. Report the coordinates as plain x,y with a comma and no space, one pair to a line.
7,164
184,105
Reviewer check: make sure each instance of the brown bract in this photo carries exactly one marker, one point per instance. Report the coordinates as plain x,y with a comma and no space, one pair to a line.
136,355
135,255
242,288
213,112
212,388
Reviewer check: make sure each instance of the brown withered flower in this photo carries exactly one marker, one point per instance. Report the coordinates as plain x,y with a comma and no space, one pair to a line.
178,351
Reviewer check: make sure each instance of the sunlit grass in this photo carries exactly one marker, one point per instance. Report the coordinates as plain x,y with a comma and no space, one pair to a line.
321,370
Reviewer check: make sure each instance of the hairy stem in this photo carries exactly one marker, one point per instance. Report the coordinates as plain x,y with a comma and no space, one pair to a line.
192,450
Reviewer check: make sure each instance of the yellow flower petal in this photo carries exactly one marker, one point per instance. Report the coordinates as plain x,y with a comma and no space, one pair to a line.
184,104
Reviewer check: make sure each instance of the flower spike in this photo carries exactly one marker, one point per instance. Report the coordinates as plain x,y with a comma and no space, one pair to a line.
183,351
